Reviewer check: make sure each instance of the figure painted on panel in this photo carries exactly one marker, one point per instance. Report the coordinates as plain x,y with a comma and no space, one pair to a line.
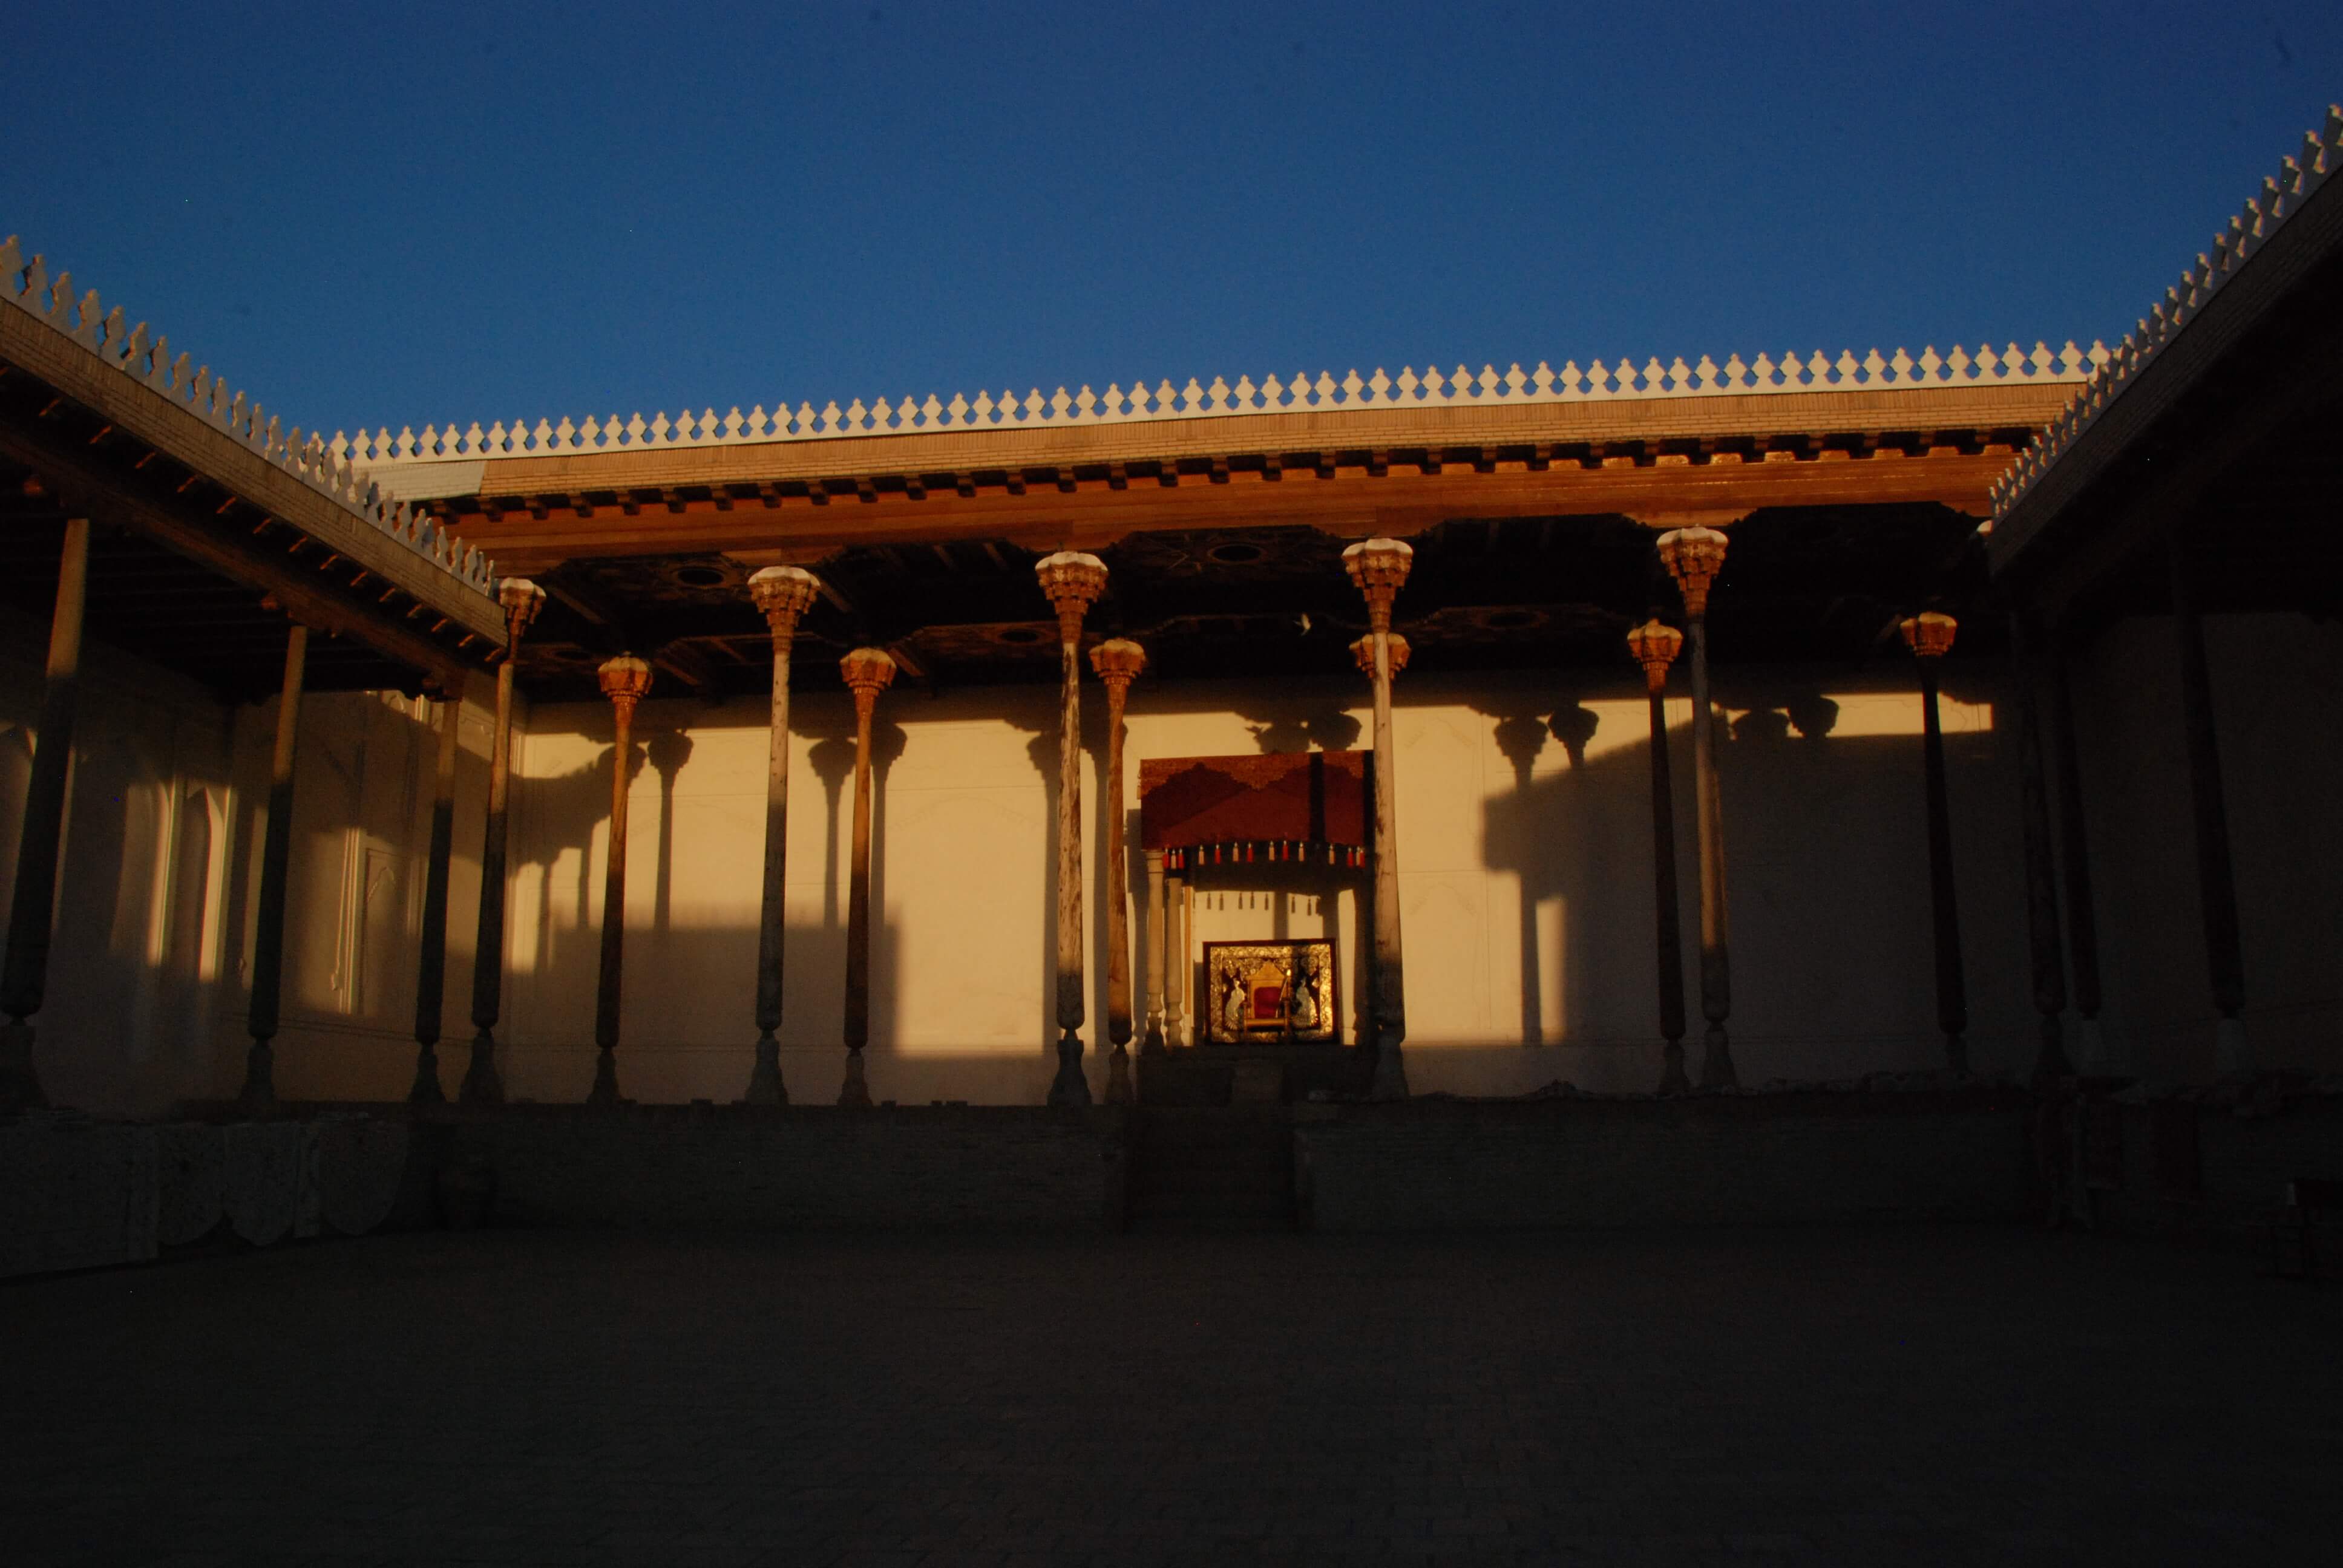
1231,1005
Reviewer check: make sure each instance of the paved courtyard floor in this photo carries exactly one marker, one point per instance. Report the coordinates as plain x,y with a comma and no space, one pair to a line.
1883,1396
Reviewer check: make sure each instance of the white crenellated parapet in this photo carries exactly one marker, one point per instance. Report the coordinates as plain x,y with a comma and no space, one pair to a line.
306,456
2266,211
1597,383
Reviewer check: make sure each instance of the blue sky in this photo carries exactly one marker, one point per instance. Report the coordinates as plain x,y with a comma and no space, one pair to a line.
389,215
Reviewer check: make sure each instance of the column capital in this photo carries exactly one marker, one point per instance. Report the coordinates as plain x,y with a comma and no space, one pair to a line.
625,679
1694,555
1378,568
522,599
783,595
868,671
1655,645
1929,634
1073,582
1118,662
1363,650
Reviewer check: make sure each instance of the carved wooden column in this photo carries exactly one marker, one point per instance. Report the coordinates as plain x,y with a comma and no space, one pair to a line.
1150,1043
1378,568
2216,881
431,964
24,974
2082,925
783,594
1073,582
2046,962
868,671
483,1085
276,858
624,680
1694,557
1117,661
1929,635
1655,645
1177,975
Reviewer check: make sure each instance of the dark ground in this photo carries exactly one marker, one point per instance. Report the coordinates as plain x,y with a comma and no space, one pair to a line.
1878,1396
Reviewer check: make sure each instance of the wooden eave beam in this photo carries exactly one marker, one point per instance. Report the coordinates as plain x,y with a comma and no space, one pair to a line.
89,491
163,425
1351,502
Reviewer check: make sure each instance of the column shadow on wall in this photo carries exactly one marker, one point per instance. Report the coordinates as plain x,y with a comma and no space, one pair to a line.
1571,825
690,974
1815,827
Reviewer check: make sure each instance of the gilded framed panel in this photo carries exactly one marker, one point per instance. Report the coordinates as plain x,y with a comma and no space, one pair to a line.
1272,992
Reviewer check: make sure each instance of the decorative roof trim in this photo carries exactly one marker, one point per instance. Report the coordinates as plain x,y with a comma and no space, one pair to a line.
1118,405
307,458
2265,213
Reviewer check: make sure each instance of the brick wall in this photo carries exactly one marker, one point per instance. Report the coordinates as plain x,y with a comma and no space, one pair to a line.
1705,1160
1009,1166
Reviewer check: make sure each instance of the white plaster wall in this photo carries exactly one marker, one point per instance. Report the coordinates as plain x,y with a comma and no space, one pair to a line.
1525,877
354,890
133,983
1524,868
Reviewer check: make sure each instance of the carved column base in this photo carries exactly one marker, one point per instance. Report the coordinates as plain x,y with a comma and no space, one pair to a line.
260,1077
1391,1072
20,1087
1672,1069
1070,1087
1118,1077
2050,1062
427,1090
1716,1061
1151,1042
2232,1058
1957,1056
482,1086
606,1079
765,1085
855,1092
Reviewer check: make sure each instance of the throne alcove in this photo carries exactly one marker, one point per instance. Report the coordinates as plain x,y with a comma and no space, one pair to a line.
1267,882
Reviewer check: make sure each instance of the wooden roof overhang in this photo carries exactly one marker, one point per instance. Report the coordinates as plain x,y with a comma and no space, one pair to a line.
1391,470
2222,416
195,527
1222,536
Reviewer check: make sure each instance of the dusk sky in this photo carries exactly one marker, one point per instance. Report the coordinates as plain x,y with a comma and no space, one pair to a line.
391,216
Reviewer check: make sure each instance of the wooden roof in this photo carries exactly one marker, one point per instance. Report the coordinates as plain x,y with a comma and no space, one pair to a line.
1533,524
203,510
2218,417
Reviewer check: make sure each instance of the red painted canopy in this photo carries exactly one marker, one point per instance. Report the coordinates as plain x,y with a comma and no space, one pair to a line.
1299,797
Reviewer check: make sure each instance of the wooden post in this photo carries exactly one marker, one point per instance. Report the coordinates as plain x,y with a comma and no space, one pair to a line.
431,964
624,682
1378,568
1117,661
1177,975
868,671
1073,582
483,1085
1654,644
2082,925
2046,962
24,973
276,858
1151,1042
2216,887
1694,555
1929,635
784,594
